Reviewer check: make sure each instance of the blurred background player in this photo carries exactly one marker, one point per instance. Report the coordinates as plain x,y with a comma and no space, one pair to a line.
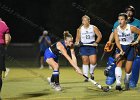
5,39
86,35
124,36
130,11
51,57
45,43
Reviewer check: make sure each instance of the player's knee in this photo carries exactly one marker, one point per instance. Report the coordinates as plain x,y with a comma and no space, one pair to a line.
128,71
56,66
85,61
93,63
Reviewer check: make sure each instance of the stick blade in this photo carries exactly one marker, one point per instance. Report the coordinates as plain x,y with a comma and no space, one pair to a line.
106,88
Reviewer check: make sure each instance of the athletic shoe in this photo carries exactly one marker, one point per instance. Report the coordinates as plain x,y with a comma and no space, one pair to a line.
86,80
127,86
92,77
119,88
52,84
58,88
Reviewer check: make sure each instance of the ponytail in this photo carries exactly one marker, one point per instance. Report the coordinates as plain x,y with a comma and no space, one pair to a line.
67,34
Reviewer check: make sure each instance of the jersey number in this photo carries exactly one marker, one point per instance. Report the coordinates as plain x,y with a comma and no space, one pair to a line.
87,36
124,39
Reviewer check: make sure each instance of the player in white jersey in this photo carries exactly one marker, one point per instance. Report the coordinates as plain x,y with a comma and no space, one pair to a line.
86,35
124,40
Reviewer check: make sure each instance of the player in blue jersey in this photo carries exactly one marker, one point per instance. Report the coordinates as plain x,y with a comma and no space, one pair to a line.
51,57
130,11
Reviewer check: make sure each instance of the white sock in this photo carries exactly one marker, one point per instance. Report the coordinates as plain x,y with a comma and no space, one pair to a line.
127,77
118,74
92,68
85,69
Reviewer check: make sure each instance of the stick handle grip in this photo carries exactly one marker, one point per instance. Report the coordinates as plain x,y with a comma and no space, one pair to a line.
85,76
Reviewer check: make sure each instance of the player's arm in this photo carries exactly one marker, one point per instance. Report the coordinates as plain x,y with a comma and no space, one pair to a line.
117,41
7,38
135,30
98,33
111,37
48,40
78,36
64,52
73,55
40,39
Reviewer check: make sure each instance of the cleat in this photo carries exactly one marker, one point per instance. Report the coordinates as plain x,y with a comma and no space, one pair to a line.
92,77
119,88
58,88
127,86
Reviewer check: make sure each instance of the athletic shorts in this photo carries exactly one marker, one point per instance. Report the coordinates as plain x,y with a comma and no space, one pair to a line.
129,53
88,50
49,54
42,53
2,58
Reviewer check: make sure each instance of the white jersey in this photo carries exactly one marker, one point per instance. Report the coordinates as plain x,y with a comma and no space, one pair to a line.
87,34
125,36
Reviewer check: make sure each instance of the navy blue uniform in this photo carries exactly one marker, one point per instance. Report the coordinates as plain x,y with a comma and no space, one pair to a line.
53,52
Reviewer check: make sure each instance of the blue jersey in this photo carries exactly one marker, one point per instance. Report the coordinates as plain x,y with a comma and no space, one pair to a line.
53,52
135,23
44,44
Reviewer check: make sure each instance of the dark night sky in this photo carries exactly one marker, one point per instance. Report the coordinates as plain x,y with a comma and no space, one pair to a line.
26,18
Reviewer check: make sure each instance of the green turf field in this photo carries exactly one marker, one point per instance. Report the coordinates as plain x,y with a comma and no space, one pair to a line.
31,84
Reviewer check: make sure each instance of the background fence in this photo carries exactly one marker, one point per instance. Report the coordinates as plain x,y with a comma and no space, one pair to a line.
30,52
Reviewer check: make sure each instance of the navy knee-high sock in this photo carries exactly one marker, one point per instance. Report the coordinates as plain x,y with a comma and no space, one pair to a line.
56,77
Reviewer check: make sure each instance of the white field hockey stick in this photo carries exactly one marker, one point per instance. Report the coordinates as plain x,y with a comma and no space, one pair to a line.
81,44
105,89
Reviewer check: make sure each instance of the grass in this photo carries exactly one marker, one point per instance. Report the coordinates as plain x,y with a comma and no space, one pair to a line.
30,84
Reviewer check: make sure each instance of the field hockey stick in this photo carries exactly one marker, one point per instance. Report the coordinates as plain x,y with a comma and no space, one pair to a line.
105,89
116,60
81,44
106,50
94,45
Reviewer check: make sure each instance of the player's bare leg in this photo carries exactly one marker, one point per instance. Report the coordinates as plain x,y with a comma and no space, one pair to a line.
55,74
